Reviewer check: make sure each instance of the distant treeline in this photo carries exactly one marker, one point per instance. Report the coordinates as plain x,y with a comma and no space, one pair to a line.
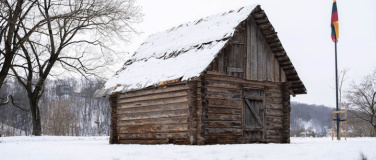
67,108
310,119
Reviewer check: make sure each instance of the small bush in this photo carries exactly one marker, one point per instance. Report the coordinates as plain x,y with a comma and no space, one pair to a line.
362,156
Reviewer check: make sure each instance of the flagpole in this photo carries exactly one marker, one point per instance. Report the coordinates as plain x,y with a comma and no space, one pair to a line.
337,115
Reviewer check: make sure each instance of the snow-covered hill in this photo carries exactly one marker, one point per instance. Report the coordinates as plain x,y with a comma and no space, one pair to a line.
56,148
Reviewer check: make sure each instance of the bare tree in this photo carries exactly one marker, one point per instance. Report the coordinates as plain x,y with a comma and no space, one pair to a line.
13,13
76,37
362,99
342,79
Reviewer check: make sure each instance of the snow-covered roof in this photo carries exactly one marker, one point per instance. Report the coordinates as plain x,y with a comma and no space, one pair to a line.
184,52
180,52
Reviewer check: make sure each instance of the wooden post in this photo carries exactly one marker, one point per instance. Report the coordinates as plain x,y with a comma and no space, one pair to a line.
192,103
114,139
332,127
201,105
286,88
345,125
339,128
338,114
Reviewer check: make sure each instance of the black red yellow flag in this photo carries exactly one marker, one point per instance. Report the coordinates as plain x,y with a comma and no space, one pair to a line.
334,23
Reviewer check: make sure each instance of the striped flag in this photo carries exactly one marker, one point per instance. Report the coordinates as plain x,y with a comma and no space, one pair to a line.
334,24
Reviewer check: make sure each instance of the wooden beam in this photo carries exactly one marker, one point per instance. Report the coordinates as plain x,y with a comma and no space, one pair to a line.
264,25
276,49
283,59
280,53
259,15
262,20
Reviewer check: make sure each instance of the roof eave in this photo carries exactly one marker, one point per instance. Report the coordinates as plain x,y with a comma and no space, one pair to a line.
275,44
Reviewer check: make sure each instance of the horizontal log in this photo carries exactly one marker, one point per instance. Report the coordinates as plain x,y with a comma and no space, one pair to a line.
154,141
273,119
154,128
273,132
212,110
252,86
154,108
274,140
255,140
224,103
272,112
214,73
274,136
274,106
164,136
223,117
223,139
249,129
233,80
222,90
273,89
154,102
274,126
223,96
153,121
273,100
221,84
149,91
154,96
222,124
148,115
273,94
223,131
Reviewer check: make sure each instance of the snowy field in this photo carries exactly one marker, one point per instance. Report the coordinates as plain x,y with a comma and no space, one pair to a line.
97,148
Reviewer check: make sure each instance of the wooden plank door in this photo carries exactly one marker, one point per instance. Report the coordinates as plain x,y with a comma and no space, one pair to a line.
254,114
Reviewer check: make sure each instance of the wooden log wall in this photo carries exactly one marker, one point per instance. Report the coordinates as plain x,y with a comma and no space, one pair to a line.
158,115
222,108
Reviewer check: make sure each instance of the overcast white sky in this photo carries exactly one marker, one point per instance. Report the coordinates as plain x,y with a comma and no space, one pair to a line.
303,27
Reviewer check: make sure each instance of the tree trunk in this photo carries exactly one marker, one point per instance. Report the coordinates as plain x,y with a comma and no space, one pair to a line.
35,114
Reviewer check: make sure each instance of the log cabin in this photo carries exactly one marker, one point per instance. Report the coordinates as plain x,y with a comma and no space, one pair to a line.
223,79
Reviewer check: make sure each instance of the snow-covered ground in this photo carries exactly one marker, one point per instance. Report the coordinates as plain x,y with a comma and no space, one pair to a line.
97,148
